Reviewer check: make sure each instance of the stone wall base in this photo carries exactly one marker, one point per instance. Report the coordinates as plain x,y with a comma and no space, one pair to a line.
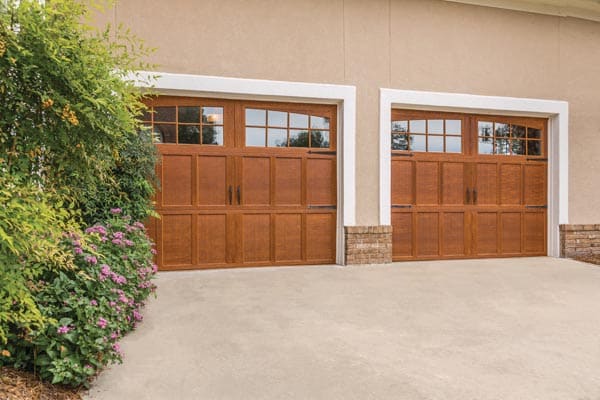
368,244
579,240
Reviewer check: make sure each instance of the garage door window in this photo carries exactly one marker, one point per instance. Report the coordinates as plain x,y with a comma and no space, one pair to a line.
186,124
427,135
503,138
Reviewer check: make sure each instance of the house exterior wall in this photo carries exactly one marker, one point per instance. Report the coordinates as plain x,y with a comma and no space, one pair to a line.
430,45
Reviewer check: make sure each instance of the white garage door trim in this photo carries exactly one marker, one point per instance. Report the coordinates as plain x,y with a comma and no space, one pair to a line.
300,92
558,144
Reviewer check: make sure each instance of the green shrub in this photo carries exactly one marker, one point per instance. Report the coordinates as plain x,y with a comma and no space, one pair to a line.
91,308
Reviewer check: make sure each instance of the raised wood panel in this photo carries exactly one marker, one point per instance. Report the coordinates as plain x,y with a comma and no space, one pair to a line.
453,234
256,181
212,239
486,236
427,234
288,237
453,188
402,182
177,246
256,237
511,184
427,183
402,234
511,232
320,181
288,181
320,237
486,180
212,180
176,181
535,232
535,184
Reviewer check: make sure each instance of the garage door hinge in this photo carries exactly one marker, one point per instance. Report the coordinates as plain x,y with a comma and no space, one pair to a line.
401,205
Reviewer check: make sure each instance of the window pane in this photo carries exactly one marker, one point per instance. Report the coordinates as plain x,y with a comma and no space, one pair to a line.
517,131
212,115
533,133
417,126
319,139
147,115
164,114
255,137
534,147
277,137
189,134
400,126
502,146
189,114
399,141
453,144
256,117
319,122
165,133
502,130
435,143
298,138
453,127
417,142
278,118
518,147
486,145
298,121
435,126
485,129
212,135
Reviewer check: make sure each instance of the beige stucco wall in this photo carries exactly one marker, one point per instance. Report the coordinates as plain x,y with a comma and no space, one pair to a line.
403,44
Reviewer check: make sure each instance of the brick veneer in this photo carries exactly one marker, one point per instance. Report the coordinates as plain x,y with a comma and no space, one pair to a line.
579,240
368,244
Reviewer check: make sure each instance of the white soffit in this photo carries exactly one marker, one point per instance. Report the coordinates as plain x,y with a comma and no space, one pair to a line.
585,9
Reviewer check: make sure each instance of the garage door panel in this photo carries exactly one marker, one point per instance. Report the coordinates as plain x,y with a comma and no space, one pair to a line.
427,182
427,234
177,246
288,237
288,181
212,180
535,232
535,184
176,180
402,182
511,232
511,184
486,233
486,182
453,188
453,234
256,181
212,239
402,234
256,237
320,237
320,181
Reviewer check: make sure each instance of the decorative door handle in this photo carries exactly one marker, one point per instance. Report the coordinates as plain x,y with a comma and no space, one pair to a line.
230,194
468,195
474,196
239,195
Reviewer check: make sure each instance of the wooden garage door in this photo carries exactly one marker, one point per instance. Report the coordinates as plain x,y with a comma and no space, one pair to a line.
244,183
467,186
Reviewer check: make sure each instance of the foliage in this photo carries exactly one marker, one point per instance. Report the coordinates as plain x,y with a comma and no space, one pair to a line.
91,307
31,230
68,105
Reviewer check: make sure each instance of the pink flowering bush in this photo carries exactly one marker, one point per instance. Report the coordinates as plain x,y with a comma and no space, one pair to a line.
93,306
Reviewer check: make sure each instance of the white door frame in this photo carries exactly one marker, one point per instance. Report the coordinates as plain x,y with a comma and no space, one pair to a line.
300,92
557,113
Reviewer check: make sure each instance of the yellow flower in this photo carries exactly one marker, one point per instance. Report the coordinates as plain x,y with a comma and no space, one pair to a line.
5,353
47,103
13,60
2,48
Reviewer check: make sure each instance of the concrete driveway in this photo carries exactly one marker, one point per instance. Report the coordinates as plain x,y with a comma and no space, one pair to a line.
491,329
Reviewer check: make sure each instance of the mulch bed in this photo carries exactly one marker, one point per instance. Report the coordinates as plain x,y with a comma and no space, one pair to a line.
20,385
592,259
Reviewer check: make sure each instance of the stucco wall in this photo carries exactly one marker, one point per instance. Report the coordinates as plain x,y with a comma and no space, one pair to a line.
402,44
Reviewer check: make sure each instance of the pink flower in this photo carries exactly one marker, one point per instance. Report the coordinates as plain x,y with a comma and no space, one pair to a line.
117,348
123,298
112,303
114,335
78,250
63,329
153,251
102,323
138,224
137,316
128,242
118,235
91,259
118,242
93,303
115,210
105,270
